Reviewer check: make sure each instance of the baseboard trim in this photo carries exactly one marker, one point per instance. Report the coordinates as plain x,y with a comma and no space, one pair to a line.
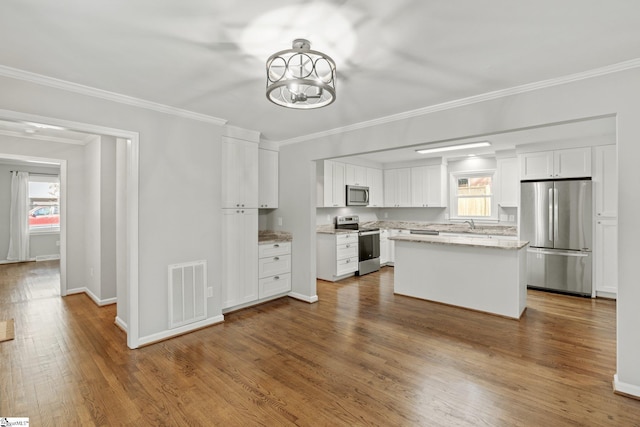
121,324
305,298
99,302
47,257
165,335
629,390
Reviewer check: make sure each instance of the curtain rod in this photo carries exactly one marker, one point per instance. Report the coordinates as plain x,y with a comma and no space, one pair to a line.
36,173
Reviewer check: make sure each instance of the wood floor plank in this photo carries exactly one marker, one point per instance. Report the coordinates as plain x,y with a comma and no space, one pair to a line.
361,355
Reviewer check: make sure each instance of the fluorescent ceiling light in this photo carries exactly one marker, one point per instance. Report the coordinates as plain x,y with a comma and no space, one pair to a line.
454,147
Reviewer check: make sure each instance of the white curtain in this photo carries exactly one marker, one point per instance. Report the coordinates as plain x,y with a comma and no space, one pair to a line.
19,217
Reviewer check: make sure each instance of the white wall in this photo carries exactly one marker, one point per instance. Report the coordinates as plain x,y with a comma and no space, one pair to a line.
100,218
107,217
179,187
91,213
74,155
597,96
122,316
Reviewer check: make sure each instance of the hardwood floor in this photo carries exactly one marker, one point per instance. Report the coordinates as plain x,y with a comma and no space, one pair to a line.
360,356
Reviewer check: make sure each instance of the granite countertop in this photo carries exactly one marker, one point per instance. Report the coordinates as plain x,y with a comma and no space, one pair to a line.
271,236
494,230
477,242
330,229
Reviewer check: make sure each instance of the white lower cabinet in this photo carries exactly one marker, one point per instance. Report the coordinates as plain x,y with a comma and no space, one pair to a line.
274,269
392,244
605,258
384,247
239,257
336,255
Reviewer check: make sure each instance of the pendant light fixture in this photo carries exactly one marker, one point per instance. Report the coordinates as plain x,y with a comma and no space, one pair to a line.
301,78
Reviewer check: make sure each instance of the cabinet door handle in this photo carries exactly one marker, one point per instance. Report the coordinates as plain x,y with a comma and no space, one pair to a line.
276,245
276,278
348,246
276,258
237,205
348,261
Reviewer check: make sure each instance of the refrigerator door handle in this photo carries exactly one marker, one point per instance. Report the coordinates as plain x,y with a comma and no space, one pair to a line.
555,214
550,214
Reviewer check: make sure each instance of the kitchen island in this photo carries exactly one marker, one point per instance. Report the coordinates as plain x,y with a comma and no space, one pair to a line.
481,274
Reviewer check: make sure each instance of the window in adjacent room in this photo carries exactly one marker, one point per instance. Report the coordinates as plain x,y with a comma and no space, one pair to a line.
44,203
473,196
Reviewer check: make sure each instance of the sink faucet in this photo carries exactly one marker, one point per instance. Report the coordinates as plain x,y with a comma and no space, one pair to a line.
471,223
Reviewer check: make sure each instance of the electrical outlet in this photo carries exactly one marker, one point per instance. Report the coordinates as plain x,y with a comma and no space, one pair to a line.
57,242
328,218
386,214
504,217
91,272
512,218
209,292
280,221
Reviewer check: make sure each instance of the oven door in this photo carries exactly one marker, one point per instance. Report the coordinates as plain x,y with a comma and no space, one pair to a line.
368,245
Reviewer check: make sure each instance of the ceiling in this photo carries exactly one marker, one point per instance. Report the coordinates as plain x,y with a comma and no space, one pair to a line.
392,56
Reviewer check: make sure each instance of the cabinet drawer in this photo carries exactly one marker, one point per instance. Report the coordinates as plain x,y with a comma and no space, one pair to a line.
274,285
348,250
274,265
341,239
273,249
349,265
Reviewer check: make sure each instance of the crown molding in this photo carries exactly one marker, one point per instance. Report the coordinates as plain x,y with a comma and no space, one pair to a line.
529,87
28,76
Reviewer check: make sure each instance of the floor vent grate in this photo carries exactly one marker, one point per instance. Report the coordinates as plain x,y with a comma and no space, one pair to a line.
187,293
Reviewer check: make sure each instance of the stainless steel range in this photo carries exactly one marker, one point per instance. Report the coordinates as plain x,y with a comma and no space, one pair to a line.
368,243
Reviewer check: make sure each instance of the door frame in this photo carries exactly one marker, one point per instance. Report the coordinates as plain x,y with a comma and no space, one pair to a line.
132,199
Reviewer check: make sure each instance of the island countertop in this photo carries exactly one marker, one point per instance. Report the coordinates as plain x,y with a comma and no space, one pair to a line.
478,230
478,242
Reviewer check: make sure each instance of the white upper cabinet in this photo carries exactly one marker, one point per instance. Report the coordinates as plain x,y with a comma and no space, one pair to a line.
355,175
428,186
605,181
572,163
376,187
508,182
536,165
569,163
240,177
331,184
268,179
397,187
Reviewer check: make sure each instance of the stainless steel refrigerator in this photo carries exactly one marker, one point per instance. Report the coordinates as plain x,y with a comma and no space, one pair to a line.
556,219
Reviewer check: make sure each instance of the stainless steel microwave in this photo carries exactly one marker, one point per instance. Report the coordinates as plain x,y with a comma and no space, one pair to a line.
357,195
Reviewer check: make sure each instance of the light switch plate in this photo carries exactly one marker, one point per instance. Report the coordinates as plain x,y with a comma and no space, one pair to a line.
209,292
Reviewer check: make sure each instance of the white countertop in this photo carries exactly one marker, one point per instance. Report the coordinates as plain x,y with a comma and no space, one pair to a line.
480,229
478,242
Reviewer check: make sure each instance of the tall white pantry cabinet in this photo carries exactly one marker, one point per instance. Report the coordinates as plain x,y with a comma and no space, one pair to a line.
239,218
605,256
